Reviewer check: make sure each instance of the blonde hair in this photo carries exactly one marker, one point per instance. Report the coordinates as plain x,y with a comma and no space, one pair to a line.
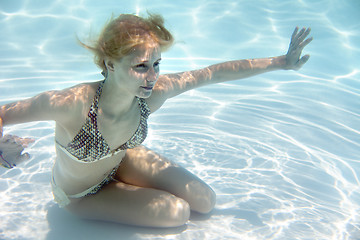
127,31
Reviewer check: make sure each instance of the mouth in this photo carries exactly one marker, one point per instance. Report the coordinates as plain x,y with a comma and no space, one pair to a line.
149,88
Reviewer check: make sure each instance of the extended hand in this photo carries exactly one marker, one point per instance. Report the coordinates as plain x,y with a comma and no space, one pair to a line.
297,44
11,148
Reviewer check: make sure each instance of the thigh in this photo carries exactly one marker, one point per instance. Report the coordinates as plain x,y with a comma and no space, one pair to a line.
143,167
127,204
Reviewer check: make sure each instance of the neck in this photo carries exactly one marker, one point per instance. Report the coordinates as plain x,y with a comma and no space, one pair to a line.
114,100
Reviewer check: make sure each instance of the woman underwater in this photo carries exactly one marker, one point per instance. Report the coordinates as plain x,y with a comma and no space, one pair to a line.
101,170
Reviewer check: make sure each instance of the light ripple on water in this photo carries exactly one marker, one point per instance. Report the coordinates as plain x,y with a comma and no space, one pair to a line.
271,149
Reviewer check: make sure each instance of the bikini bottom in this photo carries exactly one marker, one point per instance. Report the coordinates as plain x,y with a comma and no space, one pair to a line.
62,199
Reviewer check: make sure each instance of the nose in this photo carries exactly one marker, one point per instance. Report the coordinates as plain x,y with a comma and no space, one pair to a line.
153,75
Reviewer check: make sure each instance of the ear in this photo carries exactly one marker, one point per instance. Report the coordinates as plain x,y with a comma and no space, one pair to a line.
109,65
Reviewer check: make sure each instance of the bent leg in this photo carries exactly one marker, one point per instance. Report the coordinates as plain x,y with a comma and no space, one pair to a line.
123,203
143,167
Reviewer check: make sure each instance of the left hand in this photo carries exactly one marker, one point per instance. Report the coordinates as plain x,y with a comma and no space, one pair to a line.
11,148
297,44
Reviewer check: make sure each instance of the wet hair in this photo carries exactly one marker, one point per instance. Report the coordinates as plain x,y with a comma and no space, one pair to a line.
127,31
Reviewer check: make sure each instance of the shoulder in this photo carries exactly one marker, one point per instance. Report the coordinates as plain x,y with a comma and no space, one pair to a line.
63,98
167,86
67,103
158,95
73,95
63,106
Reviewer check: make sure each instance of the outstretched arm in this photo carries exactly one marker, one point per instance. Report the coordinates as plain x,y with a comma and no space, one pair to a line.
239,69
170,85
50,105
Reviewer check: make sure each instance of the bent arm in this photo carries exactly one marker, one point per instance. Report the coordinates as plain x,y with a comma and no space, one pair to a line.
52,105
11,147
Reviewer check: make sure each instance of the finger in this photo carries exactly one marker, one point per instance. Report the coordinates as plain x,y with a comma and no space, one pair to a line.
294,33
304,35
302,61
29,140
306,42
15,140
23,157
297,39
301,32
26,141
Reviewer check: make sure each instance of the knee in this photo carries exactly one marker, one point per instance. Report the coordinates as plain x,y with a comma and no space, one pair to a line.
201,197
180,212
212,201
170,211
208,202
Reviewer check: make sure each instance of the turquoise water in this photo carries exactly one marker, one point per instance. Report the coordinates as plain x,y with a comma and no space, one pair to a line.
281,150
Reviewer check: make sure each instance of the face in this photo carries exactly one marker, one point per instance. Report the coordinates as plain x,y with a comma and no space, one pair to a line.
138,72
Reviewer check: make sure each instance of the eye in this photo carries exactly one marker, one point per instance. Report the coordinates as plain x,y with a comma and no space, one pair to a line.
156,64
141,65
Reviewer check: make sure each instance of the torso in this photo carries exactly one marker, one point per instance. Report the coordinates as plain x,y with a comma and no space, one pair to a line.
76,176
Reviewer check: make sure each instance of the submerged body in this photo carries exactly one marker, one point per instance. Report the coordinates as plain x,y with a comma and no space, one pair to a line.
102,171
89,146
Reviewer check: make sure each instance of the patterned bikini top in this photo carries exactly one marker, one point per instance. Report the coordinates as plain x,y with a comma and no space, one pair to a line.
90,146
